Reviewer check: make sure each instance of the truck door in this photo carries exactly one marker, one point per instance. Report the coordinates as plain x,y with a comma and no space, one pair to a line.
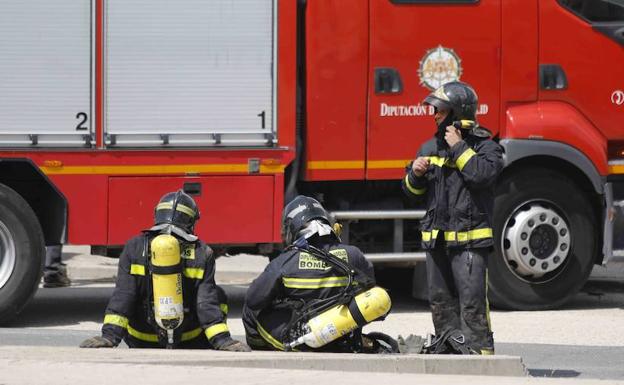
46,67
415,47
189,73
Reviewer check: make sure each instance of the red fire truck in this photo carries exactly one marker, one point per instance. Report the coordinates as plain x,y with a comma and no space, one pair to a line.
105,105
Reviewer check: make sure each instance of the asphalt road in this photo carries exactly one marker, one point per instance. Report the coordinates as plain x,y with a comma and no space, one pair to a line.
584,339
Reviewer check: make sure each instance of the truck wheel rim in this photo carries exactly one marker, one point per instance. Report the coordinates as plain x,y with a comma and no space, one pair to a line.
7,254
536,241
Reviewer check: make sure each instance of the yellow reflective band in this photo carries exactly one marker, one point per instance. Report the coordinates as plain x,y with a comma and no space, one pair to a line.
224,308
315,283
429,235
415,191
148,337
465,236
269,338
440,162
216,329
151,337
137,269
335,164
191,334
464,158
118,320
159,169
379,164
194,273
487,352
179,207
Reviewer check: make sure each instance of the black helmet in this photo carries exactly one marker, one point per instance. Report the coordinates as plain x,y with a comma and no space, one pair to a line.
298,213
177,208
458,97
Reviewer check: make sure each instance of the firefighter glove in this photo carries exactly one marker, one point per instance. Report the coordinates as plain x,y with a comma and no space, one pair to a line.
97,342
231,345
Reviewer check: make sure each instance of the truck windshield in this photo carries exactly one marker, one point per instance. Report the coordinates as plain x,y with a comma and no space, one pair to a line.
596,10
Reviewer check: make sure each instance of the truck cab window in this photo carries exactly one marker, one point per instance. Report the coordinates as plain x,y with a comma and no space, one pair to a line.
596,11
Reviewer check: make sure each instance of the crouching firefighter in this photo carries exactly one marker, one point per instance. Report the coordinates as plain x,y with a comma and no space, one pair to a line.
318,293
165,295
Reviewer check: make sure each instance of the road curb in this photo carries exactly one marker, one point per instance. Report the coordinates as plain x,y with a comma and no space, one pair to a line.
510,366
412,363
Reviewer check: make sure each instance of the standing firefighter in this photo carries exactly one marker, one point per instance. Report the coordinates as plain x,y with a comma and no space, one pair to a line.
455,173
317,294
166,295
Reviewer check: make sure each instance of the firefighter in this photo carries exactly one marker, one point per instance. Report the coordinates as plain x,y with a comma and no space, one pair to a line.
166,294
277,303
454,173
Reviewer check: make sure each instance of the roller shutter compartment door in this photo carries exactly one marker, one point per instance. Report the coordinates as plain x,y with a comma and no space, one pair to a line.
45,73
189,73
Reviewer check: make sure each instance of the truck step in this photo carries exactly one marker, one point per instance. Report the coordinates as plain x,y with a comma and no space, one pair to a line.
378,214
396,258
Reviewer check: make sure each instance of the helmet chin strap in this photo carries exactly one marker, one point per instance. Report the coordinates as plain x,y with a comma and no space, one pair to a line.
448,121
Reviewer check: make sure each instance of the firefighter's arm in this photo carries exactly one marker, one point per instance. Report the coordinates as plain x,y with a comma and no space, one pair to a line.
363,267
266,288
479,167
123,302
209,310
414,183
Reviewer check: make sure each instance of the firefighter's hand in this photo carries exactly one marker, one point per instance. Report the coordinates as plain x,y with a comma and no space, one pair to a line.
420,166
232,345
452,136
97,342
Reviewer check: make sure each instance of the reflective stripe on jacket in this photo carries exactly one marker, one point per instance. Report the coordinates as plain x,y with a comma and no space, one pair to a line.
299,277
458,190
127,314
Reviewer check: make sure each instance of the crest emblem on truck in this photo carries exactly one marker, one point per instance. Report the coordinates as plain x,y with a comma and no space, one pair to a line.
439,66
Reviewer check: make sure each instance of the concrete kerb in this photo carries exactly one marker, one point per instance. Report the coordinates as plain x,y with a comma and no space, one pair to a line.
415,364
412,363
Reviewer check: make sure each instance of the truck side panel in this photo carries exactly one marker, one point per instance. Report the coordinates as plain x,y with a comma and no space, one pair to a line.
519,56
88,207
337,54
234,209
428,44
588,59
45,73
559,122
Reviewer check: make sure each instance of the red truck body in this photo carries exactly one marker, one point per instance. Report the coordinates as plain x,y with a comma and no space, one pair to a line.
349,78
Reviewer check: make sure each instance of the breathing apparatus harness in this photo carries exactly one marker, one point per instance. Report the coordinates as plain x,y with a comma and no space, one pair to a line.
302,312
168,330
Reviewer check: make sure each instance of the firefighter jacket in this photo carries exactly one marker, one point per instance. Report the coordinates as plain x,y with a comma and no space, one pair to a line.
458,189
297,277
129,314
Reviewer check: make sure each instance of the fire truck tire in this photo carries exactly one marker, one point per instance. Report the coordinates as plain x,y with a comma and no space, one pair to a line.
22,254
545,241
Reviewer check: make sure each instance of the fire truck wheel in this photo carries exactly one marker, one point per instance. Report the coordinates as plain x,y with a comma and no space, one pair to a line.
22,253
545,241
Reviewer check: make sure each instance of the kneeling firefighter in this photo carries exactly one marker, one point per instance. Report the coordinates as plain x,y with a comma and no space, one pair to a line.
318,293
166,294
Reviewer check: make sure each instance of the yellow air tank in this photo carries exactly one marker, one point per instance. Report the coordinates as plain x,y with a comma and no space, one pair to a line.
340,320
167,283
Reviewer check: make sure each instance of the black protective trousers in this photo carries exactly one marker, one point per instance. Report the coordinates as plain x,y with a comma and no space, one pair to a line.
457,279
